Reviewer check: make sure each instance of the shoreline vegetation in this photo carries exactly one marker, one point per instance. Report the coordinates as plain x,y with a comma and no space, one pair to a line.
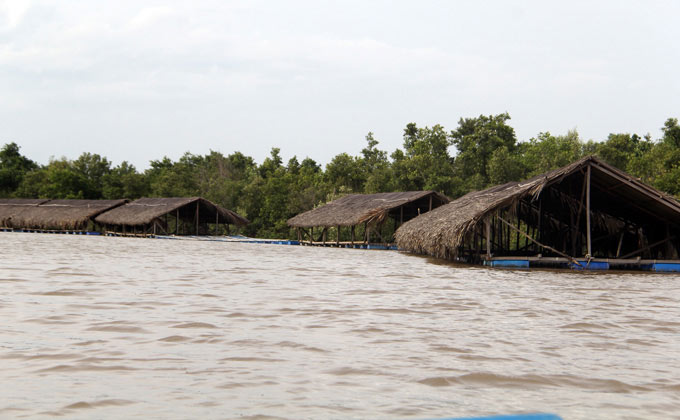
479,153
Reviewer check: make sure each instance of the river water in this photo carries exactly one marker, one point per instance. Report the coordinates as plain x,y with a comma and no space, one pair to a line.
100,327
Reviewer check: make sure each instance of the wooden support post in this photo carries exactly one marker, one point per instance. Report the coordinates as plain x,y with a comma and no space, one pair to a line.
590,250
540,221
337,239
487,225
519,224
366,232
198,203
430,203
352,234
499,229
154,227
177,222
323,235
618,248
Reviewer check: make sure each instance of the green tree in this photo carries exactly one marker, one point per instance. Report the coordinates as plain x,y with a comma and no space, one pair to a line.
346,172
547,152
124,181
425,163
476,140
504,167
620,150
13,168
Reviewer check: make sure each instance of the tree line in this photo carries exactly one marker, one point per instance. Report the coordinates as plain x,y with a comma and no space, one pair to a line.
480,152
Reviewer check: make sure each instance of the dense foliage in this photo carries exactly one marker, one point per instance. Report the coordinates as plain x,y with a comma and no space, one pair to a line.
480,152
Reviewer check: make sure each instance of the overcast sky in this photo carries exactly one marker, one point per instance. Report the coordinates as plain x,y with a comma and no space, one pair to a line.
139,80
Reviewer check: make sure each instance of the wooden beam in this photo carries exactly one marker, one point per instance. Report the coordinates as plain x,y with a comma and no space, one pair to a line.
630,254
540,244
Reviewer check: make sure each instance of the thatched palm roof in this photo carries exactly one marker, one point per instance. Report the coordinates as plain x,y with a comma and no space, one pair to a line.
354,209
145,210
9,207
440,232
53,214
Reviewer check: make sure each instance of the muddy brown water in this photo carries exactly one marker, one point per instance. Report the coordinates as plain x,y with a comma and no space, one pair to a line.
98,327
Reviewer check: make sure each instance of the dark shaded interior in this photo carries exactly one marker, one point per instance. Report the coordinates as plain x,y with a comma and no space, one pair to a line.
627,220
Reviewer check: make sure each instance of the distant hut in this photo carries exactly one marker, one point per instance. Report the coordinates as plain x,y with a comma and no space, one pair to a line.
372,211
11,207
585,215
170,216
57,215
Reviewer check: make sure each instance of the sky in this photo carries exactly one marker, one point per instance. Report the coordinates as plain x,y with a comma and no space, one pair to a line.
140,80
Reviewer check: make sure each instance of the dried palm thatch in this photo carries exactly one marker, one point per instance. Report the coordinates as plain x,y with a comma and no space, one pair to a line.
354,209
56,214
145,210
9,207
621,205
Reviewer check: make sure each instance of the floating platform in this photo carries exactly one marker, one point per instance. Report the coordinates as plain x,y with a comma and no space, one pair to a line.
234,238
59,232
352,245
536,416
595,264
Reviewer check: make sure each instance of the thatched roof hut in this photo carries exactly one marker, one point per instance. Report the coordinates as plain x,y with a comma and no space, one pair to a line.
52,214
355,209
153,212
587,208
9,207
